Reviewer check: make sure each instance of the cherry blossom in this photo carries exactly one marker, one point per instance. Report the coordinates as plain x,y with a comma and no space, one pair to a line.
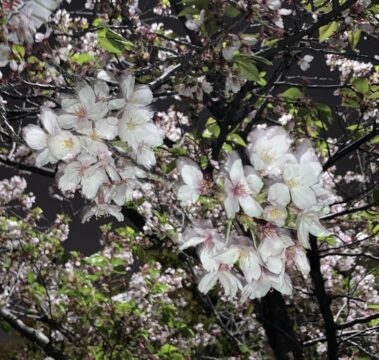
52,144
241,188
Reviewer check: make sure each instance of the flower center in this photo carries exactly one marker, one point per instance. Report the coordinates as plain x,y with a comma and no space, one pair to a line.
275,213
68,144
131,125
81,112
239,190
292,184
94,136
267,155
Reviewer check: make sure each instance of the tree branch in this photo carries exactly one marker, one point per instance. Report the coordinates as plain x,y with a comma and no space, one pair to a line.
37,337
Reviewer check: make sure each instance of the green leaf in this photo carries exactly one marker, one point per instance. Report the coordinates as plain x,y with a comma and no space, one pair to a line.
211,129
293,93
235,138
354,36
326,31
113,42
81,58
231,11
18,51
246,67
361,85
324,112
261,59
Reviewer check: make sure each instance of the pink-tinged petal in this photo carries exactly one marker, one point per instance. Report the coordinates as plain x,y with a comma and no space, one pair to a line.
187,194
193,241
87,96
116,104
142,96
208,281
192,176
231,206
275,264
230,283
35,137
301,261
303,197
278,194
127,85
70,179
250,206
44,157
67,121
145,157
236,172
122,193
302,233
107,128
250,266
49,120
92,180
97,111
229,256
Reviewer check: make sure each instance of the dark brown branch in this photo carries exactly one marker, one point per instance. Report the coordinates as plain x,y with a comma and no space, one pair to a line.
323,299
349,148
37,337
20,166
361,320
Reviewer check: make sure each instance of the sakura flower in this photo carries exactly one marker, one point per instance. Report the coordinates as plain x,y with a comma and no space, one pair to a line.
122,191
275,214
135,102
308,222
259,288
304,62
193,179
78,112
241,250
101,210
240,188
269,149
194,22
228,281
23,29
143,151
52,144
301,261
138,129
84,172
201,232
299,179
272,247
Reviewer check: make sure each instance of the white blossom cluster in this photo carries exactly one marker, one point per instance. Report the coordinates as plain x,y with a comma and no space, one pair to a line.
20,26
282,191
87,132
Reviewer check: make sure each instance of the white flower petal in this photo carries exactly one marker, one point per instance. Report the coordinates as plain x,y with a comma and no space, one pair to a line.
35,137
278,194
250,206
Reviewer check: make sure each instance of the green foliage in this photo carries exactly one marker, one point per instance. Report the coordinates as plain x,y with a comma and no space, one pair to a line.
246,66
361,85
292,93
354,36
326,31
113,42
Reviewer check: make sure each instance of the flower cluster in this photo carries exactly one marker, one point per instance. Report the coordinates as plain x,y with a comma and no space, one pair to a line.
87,133
279,193
20,26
